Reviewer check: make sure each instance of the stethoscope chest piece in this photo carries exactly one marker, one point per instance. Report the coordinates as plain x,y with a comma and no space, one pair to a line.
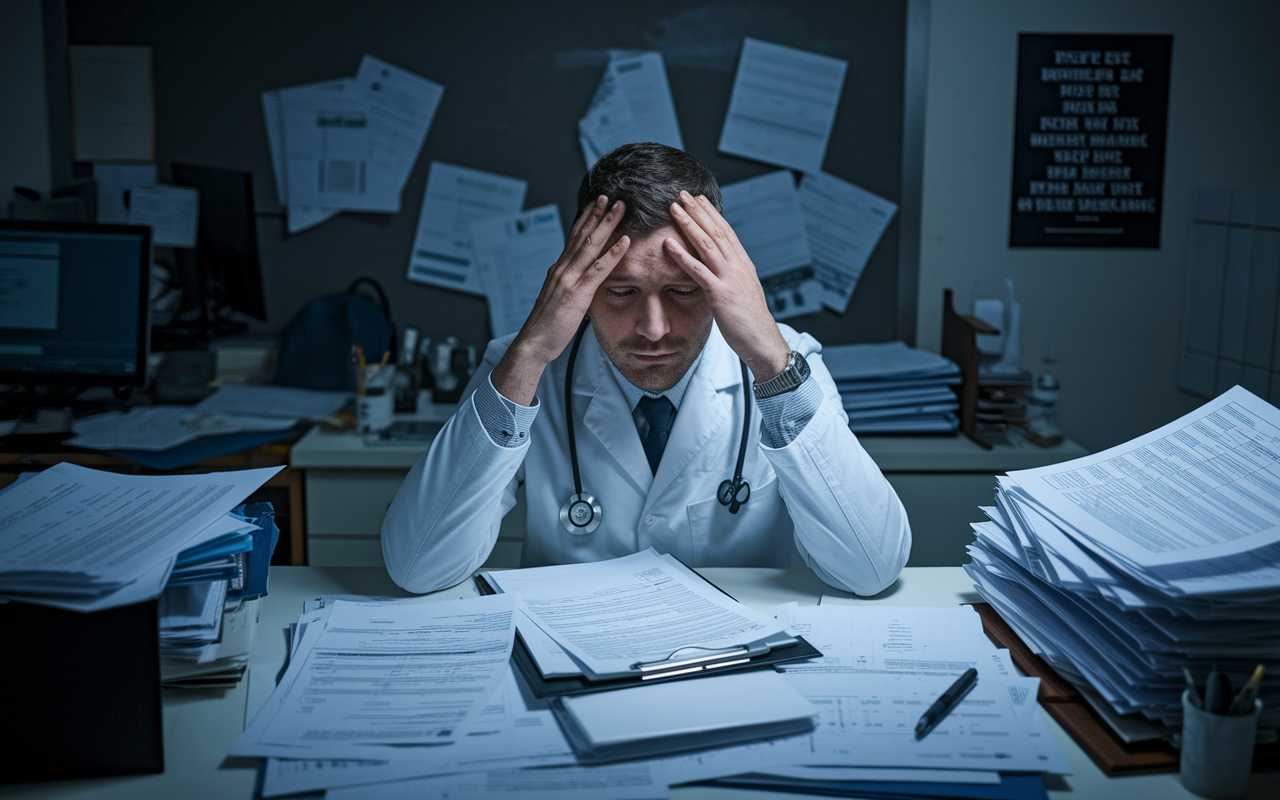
581,515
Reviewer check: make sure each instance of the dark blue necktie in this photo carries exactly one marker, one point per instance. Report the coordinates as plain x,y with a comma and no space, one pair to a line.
660,413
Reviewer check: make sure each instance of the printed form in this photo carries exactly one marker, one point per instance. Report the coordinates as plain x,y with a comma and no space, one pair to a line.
640,607
845,223
1201,487
513,253
383,673
782,106
456,197
765,214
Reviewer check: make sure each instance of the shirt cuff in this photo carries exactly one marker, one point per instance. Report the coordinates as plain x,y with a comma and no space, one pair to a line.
785,415
507,423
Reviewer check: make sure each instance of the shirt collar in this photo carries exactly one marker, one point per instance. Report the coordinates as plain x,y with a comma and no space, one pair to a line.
675,394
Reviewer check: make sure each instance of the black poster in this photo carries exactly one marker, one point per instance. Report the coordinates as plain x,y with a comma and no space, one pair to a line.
1088,144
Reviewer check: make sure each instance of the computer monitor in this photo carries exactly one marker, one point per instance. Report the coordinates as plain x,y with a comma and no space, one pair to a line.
73,303
225,259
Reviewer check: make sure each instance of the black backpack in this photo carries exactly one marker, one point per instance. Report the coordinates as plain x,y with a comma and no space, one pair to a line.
316,346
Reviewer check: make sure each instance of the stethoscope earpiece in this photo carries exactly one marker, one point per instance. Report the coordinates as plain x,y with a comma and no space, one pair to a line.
581,514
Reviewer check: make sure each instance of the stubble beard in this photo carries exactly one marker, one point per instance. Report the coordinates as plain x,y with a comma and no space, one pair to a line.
656,377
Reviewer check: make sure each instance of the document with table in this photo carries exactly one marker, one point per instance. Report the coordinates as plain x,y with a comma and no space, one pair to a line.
418,699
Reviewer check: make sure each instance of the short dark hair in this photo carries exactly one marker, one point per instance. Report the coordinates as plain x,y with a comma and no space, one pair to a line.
648,177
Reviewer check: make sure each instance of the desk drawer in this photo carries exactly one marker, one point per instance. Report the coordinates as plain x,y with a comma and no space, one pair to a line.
350,501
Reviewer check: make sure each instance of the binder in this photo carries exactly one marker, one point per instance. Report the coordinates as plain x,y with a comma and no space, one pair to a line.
82,692
542,687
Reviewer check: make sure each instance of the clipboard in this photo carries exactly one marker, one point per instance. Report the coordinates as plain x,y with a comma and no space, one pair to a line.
797,650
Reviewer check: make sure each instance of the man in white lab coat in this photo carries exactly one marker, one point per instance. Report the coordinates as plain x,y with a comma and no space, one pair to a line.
676,318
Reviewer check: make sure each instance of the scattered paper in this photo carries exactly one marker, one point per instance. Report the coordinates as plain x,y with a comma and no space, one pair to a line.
298,217
632,104
782,106
765,214
513,253
385,674
172,212
401,107
454,198
162,427
845,224
273,401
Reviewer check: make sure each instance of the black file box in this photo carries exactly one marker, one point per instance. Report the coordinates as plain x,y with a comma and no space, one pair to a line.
81,692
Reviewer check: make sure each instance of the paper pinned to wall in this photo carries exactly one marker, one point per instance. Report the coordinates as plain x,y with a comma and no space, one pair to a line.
401,107
513,254
783,105
347,144
454,198
765,214
632,103
172,212
298,217
112,112
845,223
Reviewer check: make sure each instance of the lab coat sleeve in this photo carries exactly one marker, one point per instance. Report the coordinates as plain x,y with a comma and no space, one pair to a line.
445,518
851,529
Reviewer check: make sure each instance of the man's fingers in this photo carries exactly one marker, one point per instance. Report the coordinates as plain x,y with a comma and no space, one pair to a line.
694,268
587,218
720,222
594,241
602,266
697,235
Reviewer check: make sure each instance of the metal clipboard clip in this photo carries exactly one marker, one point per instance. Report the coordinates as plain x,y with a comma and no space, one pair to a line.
710,657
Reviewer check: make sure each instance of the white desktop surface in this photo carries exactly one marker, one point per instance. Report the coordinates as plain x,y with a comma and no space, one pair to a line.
200,727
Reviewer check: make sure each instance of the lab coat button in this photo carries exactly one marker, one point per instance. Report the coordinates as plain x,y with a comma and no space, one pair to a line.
649,520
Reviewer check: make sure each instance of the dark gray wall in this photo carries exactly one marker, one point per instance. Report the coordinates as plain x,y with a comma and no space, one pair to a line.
517,77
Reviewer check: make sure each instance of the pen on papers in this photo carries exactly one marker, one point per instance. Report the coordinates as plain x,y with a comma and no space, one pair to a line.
1243,704
386,356
1217,693
1191,686
945,704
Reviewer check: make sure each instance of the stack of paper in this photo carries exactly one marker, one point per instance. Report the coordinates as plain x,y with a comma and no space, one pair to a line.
632,104
86,540
347,144
1123,567
809,246
209,610
893,388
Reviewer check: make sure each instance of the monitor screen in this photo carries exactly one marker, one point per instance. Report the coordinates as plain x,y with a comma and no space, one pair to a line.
73,303
226,242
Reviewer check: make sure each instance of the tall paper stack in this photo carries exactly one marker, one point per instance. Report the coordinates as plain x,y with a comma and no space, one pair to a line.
893,388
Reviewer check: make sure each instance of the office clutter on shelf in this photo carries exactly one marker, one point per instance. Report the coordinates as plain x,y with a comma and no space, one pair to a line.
603,686
893,388
209,609
1122,568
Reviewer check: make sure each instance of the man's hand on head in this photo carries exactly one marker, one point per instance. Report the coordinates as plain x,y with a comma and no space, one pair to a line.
721,268
565,297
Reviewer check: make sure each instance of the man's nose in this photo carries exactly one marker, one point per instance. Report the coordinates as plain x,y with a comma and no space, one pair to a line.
653,323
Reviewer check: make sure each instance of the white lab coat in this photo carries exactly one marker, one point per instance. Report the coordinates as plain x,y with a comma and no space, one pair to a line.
821,491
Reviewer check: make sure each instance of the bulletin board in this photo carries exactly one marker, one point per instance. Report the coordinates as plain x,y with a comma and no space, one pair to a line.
517,78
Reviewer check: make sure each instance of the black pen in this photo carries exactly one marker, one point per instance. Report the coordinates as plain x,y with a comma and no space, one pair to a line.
946,704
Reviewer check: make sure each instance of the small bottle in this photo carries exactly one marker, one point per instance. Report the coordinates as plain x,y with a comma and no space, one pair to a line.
1042,412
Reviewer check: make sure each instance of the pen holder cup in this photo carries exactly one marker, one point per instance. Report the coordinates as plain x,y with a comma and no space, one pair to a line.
1217,750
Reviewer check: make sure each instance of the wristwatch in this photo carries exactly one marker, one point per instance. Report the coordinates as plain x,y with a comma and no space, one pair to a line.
791,377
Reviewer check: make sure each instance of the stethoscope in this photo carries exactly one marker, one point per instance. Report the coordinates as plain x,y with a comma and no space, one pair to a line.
582,513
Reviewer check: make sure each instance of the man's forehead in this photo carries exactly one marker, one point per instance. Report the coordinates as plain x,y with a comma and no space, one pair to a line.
647,260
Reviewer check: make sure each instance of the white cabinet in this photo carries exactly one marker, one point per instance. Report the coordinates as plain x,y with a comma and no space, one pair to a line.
941,480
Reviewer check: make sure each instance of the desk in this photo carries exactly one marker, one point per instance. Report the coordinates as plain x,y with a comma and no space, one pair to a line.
941,480
199,728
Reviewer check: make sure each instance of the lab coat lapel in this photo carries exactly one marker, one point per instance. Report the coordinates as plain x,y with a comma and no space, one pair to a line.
705,410
608,415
